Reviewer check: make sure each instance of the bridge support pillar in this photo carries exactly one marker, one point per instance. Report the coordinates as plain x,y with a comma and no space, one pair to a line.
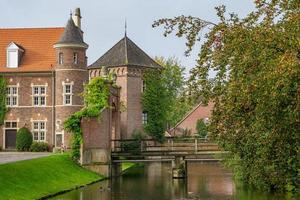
179,167
115,169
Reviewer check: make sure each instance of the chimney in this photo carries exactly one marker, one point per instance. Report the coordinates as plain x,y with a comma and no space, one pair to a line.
77,17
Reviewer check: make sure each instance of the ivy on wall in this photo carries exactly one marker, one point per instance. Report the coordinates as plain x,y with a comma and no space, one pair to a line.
2,99
95,96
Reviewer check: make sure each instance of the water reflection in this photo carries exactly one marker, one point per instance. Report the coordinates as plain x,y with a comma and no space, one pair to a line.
206,181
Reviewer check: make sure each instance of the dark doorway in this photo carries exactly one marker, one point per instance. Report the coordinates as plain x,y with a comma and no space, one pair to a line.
10,139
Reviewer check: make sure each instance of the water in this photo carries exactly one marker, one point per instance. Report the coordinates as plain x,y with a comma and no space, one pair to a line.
206,181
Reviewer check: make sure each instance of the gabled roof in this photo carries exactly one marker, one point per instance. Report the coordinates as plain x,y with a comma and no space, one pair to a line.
125,53
200,111
39,54
13,45
72,35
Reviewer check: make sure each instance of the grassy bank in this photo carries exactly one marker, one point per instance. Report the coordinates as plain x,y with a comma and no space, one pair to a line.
127,165
33,179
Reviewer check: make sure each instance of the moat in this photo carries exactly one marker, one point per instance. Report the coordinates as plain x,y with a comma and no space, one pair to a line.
206,181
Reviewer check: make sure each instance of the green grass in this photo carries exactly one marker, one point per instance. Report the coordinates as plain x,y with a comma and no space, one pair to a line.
127,165
33,179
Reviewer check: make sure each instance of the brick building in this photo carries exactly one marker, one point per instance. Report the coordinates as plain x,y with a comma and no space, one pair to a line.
46,69
188,123
128,62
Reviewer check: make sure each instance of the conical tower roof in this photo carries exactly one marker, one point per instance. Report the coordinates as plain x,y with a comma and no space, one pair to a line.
125,53
72,35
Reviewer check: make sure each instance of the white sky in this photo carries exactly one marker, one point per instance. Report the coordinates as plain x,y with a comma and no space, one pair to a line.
103,21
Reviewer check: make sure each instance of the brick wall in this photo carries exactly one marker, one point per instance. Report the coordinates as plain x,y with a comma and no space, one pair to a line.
189,122
77,76
25,113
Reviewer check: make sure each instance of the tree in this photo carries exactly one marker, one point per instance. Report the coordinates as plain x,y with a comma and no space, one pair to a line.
155,103
2,99
174,81
24,139
201,128
256,89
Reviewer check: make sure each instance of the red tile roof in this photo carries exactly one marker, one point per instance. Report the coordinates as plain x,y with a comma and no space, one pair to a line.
38,45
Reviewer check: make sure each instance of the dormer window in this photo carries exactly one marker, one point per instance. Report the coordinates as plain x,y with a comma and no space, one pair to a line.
14,54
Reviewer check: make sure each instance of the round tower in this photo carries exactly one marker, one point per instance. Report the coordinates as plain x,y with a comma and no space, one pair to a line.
70,76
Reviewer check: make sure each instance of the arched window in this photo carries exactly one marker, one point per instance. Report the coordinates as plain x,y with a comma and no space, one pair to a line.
60,58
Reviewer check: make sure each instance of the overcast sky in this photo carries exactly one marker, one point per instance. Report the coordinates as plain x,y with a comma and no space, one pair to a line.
103,21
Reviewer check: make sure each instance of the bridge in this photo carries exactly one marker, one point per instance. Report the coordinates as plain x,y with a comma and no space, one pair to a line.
103,149
178,150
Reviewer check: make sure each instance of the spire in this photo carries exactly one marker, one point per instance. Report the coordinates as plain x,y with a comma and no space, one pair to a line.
71,36
125,28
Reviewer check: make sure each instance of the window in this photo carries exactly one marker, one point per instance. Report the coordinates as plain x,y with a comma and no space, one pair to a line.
143,86
75,58
60,58
39,130
67,94
39,95
144,117
11,96
13,55
11,125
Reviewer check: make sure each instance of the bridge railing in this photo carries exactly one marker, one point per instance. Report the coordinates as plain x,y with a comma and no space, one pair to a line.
171,144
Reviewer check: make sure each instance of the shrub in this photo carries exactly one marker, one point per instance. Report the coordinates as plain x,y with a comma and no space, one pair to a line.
134,146
201,128
24,139
39,147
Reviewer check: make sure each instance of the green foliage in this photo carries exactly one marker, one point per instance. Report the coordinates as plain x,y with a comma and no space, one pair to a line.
24,139
134,146
155,103
39,147
96,98
174,82
2,99
256,89
201,128
164,97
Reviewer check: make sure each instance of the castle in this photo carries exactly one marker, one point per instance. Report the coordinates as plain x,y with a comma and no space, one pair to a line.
46,70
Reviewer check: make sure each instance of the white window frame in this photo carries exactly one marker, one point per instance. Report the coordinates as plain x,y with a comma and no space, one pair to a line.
10,96
39,130
65,93
144,117
39,95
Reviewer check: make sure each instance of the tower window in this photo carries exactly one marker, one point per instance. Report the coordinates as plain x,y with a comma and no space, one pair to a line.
75,58
67,94
144,117
60,58
143,86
